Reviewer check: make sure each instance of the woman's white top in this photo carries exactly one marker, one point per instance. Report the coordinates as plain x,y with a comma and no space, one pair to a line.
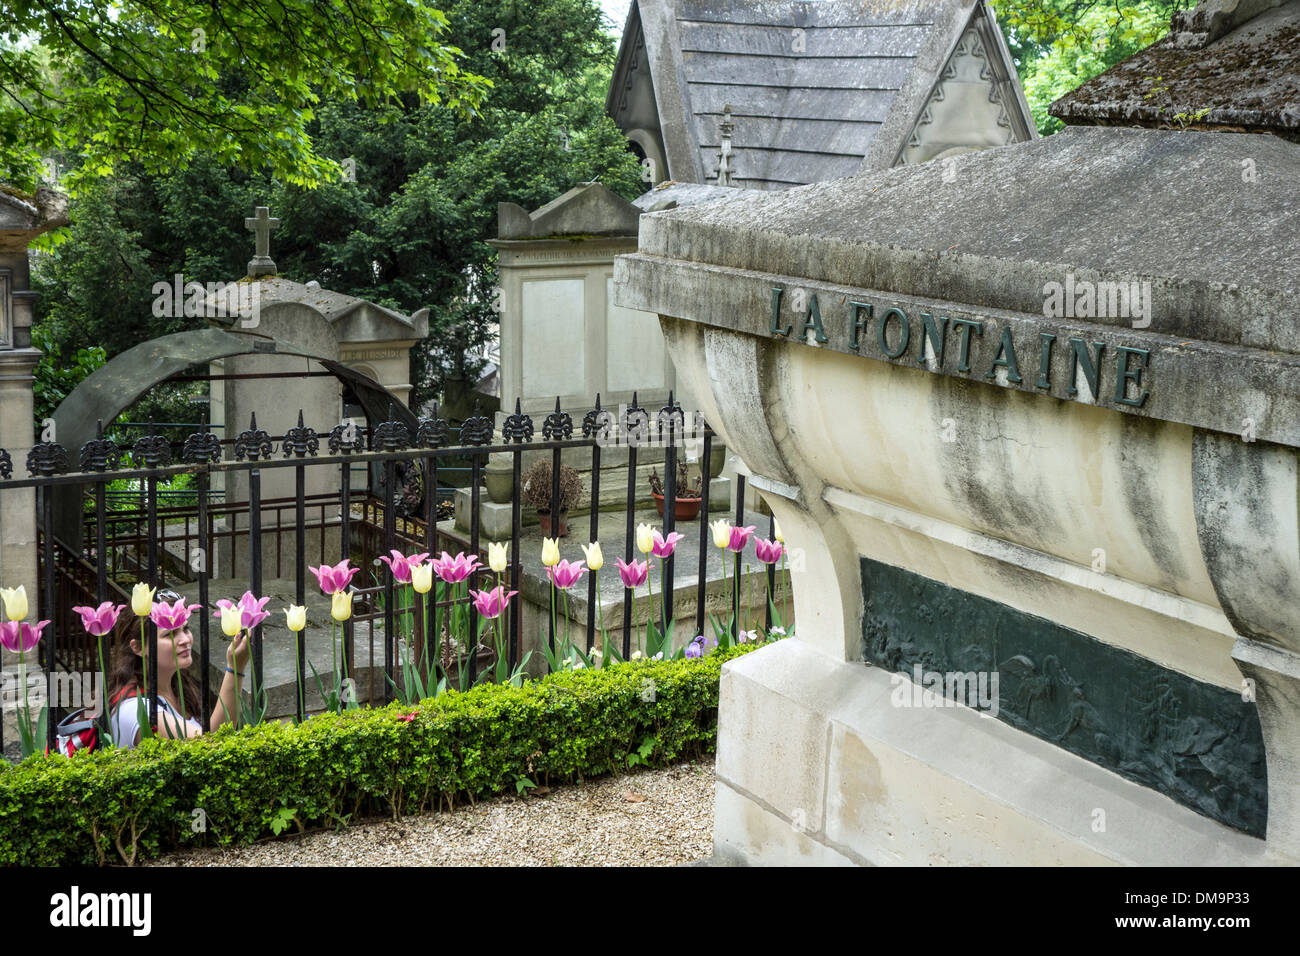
125,722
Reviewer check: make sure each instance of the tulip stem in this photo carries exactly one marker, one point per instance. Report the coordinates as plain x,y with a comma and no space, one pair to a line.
25,733
553,617
302,700
785,595
650,611
180,685
568,644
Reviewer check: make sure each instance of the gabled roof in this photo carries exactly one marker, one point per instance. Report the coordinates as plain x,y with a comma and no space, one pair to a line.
588,209
1235,67
353,319
817,90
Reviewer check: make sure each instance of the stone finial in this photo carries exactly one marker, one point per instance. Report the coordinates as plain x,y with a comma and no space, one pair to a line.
261,225
725,129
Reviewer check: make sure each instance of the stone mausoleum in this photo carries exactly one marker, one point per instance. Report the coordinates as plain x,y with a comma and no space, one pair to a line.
778,94
1034,429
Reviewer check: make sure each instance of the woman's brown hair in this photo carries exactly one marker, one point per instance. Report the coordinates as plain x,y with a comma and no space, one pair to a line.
127,669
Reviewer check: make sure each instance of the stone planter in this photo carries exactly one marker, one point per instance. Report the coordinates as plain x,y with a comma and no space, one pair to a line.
717,459
499,475
685,508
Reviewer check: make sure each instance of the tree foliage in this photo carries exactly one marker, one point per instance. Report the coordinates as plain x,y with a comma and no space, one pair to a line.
158,82
410,232
1060,44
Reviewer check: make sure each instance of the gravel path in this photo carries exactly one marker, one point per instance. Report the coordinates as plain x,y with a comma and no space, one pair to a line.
651,818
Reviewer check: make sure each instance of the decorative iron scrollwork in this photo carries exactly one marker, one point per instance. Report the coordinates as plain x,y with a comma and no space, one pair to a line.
598,423
152,451
433,432
253,444
636,423
558,425
300,440
47,458
392,434
100,453
518,427
347,438
200,447
671,419
477,429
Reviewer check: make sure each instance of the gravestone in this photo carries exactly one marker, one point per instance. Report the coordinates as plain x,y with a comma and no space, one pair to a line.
1034,431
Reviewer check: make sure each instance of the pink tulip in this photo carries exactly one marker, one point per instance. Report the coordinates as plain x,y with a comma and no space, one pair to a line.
565,574
401,566
172,617
251,611
100,620
20,636
664,548
634,574
335,579
740,538
454,570
769,552
490,604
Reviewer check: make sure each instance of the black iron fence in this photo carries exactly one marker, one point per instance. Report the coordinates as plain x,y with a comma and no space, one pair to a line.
134,543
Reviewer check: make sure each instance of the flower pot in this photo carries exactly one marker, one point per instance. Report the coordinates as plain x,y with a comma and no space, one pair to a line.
684,510
547,530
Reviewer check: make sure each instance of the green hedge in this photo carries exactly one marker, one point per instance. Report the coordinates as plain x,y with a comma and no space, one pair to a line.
116,806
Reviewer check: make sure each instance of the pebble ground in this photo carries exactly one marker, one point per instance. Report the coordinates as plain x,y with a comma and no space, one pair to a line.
651,818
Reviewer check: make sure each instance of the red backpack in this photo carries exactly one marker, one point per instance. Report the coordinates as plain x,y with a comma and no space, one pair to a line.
77,731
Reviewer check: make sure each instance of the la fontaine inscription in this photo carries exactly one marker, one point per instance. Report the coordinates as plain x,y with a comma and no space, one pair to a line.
977,348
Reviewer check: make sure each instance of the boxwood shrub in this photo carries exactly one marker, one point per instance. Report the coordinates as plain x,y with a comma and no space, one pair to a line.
236,786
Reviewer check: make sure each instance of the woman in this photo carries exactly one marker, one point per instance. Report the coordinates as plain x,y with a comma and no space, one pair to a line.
175,683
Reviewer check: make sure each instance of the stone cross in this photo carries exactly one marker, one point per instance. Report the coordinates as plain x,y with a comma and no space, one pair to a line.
261,225
725,129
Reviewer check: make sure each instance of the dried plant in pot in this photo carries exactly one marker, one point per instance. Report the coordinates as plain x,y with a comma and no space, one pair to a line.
688,494
536,489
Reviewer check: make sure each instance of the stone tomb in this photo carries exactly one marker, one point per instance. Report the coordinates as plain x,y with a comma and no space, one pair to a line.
1048,608
563,337
361,335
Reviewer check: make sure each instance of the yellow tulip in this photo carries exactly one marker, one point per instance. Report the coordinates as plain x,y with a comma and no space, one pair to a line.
497,557
721,532
296,617
595,560
776,531
231,620
141,600
15,600
341,605
645,541
422,577
550,552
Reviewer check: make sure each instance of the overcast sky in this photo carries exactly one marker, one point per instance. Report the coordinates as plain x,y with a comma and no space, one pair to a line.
616,10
